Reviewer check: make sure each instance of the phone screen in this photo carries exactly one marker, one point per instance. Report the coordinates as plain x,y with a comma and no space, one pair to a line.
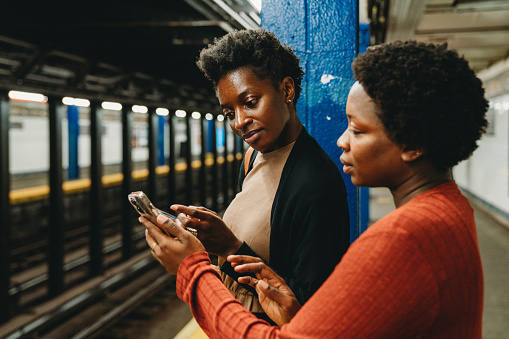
168,214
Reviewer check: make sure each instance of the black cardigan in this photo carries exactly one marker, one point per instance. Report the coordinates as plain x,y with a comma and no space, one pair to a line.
310,229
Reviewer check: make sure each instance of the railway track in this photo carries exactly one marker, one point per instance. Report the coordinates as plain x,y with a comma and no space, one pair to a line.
97,309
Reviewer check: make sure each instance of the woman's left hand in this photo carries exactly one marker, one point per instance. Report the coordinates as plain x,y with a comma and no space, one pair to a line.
275,296
170,251
217,238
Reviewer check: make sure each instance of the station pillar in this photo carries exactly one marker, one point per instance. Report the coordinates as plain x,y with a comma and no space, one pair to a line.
324,35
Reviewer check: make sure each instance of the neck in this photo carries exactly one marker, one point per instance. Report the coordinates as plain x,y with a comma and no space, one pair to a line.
418,183
289,134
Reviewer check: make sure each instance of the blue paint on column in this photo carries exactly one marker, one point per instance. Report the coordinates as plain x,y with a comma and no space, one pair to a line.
160,140
324,34
363,191
220,137
363,37
73,172
210,135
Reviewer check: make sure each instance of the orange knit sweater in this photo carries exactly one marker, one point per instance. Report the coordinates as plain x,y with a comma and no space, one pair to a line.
414,274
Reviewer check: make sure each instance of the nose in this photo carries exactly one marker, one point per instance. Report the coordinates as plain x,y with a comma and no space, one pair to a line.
241,119
343,141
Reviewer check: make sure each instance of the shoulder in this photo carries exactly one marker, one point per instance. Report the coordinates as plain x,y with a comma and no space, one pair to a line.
439,222
309,160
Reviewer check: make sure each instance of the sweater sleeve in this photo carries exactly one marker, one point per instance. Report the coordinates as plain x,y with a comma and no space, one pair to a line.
383,287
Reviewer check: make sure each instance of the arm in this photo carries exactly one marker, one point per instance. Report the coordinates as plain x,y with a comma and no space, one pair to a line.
379,289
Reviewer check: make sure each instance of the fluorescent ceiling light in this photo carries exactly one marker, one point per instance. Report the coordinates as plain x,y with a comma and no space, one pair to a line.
257,4
27,96
139,109
234,14
162,111
180,113
255,17
75,102
114,106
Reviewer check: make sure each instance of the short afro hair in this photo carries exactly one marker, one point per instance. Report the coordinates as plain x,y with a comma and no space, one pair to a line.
256,48
427,98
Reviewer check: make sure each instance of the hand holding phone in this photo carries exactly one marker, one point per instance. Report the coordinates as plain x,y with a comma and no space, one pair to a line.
144,206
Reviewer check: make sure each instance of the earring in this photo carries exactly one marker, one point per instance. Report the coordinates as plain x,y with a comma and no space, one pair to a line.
288,101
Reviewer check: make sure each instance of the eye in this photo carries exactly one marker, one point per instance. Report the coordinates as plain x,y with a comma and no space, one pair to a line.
229,114
251,102
354,131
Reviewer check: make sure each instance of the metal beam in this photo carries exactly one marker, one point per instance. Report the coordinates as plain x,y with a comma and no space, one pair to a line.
5,211
56,198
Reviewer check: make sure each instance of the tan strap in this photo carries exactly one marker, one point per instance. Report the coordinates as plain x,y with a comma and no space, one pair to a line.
247,159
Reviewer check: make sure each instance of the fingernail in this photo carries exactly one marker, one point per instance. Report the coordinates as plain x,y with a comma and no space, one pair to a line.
263,284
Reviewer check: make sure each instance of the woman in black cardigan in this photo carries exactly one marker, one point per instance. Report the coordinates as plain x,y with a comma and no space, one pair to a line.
292,187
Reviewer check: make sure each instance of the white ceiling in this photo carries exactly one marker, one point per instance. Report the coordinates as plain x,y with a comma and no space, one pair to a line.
477,29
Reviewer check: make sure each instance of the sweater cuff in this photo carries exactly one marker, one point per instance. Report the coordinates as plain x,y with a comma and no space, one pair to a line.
228,269
189,271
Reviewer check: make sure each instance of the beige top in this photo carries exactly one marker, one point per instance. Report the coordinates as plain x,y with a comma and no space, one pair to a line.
248,215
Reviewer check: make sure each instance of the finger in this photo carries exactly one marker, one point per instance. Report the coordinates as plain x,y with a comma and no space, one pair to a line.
201,208
172,227
250,268
193,212
154,230
241,259
249,281
149,239
165,222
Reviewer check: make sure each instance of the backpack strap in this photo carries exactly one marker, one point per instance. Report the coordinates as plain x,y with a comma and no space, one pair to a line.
247,160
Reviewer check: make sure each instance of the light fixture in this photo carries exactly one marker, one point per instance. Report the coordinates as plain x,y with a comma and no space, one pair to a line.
220,117
233,14
257,4
209,116
162,111
180,113
113,106
75,102
196,115
139,109
27,96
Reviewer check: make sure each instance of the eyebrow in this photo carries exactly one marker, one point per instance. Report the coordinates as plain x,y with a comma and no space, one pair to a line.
241,95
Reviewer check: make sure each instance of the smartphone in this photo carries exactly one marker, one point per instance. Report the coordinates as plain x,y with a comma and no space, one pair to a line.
143,205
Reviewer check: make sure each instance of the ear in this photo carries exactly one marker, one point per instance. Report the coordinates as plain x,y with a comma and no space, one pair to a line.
288,87
411,155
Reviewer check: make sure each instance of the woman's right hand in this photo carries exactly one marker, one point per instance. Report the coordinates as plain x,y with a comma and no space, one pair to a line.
276,298
217,238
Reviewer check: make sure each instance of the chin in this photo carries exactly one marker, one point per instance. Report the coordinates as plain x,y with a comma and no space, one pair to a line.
357,181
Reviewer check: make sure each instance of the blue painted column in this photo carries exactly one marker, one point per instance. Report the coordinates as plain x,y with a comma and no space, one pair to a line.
324,34
73,115
160,140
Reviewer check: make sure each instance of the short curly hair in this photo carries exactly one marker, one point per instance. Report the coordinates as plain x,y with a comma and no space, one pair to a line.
427,98
255,48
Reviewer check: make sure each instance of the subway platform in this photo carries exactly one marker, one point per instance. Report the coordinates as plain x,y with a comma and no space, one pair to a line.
493,237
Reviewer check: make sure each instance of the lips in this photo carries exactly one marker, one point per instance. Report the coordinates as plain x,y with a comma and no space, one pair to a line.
347,167
251,136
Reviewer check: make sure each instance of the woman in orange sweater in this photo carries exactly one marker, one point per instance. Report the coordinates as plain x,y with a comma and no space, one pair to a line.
415,111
